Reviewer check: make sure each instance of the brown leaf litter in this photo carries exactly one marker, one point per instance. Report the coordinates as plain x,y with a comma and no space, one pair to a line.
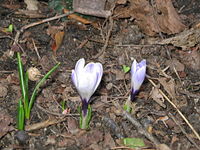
152,19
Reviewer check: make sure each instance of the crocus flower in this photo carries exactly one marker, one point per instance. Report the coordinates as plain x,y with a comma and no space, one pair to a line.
86,79
138,72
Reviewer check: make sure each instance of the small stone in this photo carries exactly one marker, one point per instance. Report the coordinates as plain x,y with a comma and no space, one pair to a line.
22,137
33,74
109,86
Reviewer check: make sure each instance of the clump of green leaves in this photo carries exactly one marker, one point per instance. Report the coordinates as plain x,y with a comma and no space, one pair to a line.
25,102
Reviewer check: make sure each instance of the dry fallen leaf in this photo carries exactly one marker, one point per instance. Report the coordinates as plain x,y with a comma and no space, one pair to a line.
191,59
163,119
81,19
169,86
91,7
90,137
31,4
157,97
163,147
185,40
161,17
58,38
175,63
5,122
108,141
72,126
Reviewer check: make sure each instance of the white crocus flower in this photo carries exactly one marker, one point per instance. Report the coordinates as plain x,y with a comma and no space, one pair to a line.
86,78
138,72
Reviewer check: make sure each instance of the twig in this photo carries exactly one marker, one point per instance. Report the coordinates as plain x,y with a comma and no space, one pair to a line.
138,125
39,22
55,114
183,130
44,124
190,94
140,128
107,39
180,113
36,50
45,20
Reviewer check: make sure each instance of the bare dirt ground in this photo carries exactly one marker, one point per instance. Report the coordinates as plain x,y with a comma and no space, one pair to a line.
167,107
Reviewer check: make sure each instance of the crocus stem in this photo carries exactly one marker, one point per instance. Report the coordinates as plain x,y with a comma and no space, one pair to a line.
127,105
85,117
84,123
133,94
84,107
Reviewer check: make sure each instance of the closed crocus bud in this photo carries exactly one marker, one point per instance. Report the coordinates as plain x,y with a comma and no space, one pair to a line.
138,72
86,79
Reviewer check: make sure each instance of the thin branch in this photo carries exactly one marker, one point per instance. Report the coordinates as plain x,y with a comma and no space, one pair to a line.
138,125
39,22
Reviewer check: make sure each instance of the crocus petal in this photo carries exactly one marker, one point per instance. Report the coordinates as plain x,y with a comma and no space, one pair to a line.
86,85
87,79
80,65
138,78
134,67
84,107
74,78
142,64
99,74
138,74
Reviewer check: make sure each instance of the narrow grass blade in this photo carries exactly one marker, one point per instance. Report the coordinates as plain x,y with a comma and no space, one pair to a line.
23,83
20,115
35,91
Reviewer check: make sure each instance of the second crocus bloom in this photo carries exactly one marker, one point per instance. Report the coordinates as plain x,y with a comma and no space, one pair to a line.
138,73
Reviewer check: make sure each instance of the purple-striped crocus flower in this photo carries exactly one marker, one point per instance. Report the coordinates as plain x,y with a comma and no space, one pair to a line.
138,72
86,79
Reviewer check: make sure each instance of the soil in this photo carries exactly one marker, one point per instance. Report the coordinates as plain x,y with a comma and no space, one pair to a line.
175,71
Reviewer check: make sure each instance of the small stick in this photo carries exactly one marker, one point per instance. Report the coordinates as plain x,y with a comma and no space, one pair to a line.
36,50
54,113
45,20
43,124
107,39
140,128
37,23
138,125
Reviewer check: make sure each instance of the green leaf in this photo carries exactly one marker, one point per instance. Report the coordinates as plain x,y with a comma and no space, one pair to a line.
20,115
126,68
63,103
23,84
133,142
35,91
10,28
127,108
